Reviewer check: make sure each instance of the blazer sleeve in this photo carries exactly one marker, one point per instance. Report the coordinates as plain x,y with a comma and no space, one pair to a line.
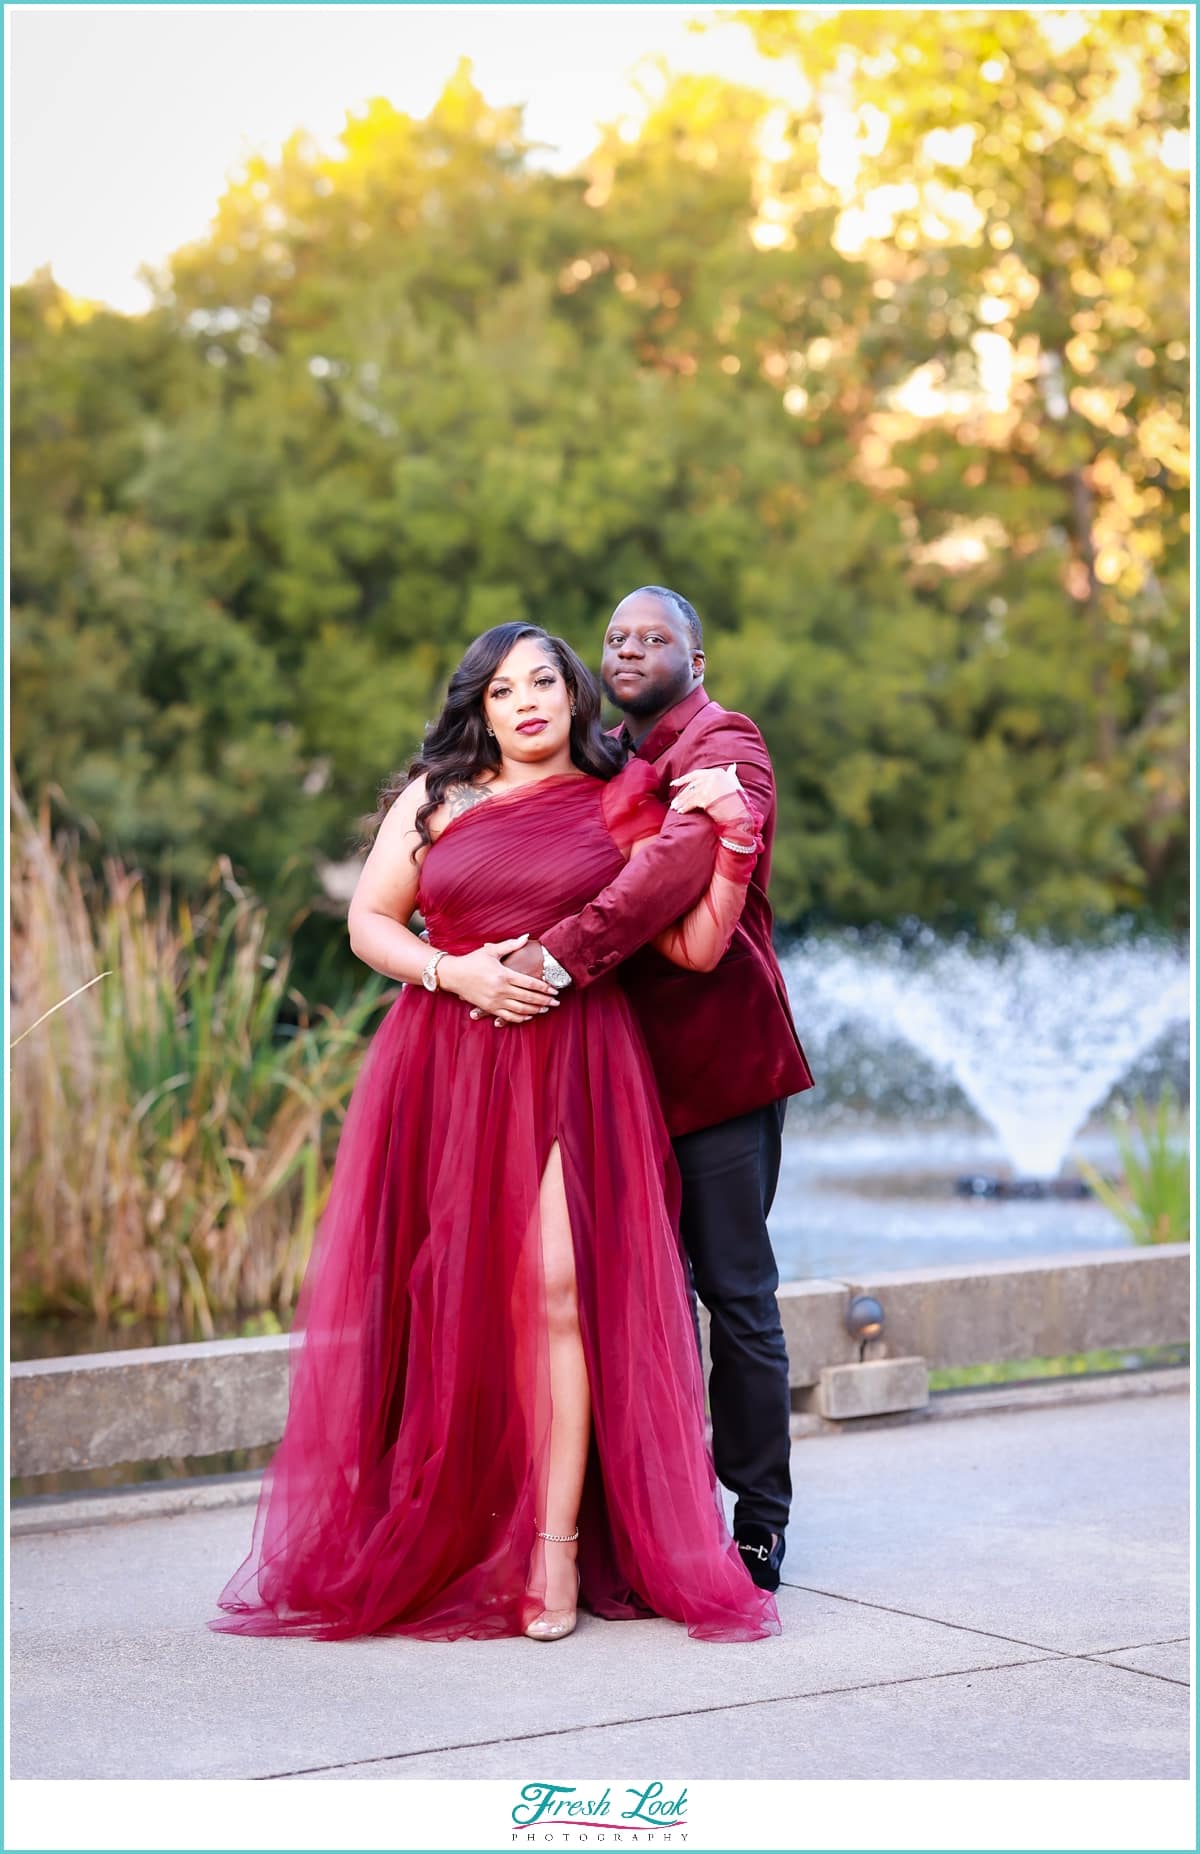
701,939
669,875
734,739
656,887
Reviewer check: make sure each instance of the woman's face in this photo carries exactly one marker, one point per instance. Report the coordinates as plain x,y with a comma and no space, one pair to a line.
528,705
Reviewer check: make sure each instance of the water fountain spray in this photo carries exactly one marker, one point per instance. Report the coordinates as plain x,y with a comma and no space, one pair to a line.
1036,1036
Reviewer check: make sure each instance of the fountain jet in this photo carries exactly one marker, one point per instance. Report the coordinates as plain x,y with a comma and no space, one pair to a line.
1036,1036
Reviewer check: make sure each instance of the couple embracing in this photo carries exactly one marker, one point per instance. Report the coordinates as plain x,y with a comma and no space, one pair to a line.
497,1409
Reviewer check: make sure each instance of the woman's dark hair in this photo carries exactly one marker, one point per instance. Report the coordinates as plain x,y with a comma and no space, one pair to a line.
457,746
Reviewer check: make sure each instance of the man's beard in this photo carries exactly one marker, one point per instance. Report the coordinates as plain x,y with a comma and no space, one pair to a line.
644,702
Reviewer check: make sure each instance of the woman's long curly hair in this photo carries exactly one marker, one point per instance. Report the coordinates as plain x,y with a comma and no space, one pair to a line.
457,746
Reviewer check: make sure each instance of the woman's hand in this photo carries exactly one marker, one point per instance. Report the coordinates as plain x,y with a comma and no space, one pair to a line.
482,980
704,786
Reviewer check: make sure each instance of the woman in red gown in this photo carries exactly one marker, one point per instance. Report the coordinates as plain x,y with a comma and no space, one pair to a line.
494,1345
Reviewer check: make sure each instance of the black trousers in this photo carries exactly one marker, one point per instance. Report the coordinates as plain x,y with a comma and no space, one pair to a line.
730,1172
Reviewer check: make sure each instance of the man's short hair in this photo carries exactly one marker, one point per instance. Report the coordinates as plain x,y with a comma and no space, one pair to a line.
675,602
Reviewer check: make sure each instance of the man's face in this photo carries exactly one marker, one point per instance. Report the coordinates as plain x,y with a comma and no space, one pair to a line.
649,661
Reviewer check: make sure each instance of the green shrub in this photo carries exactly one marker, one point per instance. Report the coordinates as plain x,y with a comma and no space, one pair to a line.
1153,1197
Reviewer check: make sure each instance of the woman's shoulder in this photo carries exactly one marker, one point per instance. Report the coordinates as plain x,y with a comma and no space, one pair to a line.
459,798
460,794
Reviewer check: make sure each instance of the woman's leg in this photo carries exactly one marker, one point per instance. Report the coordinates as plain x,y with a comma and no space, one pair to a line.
571,1413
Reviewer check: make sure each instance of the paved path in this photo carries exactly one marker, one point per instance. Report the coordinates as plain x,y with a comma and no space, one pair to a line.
1000,1595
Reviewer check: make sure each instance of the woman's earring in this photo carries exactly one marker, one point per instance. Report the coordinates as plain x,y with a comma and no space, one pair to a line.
572,708
490,730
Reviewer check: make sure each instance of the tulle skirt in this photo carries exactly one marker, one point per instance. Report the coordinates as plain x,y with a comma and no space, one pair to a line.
407,1489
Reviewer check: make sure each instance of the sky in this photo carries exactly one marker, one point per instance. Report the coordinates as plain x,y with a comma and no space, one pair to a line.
124,122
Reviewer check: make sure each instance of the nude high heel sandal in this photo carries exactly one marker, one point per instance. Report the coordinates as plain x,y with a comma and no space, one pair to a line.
553,1624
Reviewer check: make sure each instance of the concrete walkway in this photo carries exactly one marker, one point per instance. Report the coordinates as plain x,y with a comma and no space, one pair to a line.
997,1595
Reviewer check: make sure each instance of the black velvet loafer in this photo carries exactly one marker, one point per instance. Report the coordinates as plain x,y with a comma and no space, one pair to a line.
760,1557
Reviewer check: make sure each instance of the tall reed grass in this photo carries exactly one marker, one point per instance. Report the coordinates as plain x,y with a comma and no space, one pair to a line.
171,1135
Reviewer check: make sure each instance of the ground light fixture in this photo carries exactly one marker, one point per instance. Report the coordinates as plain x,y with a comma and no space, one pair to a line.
864,1320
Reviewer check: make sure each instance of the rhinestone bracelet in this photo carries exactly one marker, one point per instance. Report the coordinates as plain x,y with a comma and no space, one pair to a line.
743,849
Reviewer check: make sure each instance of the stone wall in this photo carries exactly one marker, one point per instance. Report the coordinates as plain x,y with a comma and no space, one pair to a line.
107,1408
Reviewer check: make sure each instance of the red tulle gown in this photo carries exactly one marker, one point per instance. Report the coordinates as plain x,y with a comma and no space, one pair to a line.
404,1496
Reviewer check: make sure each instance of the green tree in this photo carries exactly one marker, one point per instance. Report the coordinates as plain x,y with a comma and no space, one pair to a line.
1018,196
910,439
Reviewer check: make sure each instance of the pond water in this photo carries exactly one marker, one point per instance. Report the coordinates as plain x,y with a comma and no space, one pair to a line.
853,1201
935,1061
856,1196
931,1062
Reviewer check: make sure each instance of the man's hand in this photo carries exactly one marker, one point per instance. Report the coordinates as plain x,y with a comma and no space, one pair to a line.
496,991
525,960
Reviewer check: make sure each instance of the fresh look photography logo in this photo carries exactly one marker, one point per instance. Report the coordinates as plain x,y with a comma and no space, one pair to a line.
563,1813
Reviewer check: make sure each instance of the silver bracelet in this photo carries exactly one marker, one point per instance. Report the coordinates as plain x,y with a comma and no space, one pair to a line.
743,849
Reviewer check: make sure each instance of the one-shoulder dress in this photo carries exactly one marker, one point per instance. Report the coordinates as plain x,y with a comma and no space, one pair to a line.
405,1493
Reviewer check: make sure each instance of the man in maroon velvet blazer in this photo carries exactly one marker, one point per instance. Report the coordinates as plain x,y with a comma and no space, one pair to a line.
723,1044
